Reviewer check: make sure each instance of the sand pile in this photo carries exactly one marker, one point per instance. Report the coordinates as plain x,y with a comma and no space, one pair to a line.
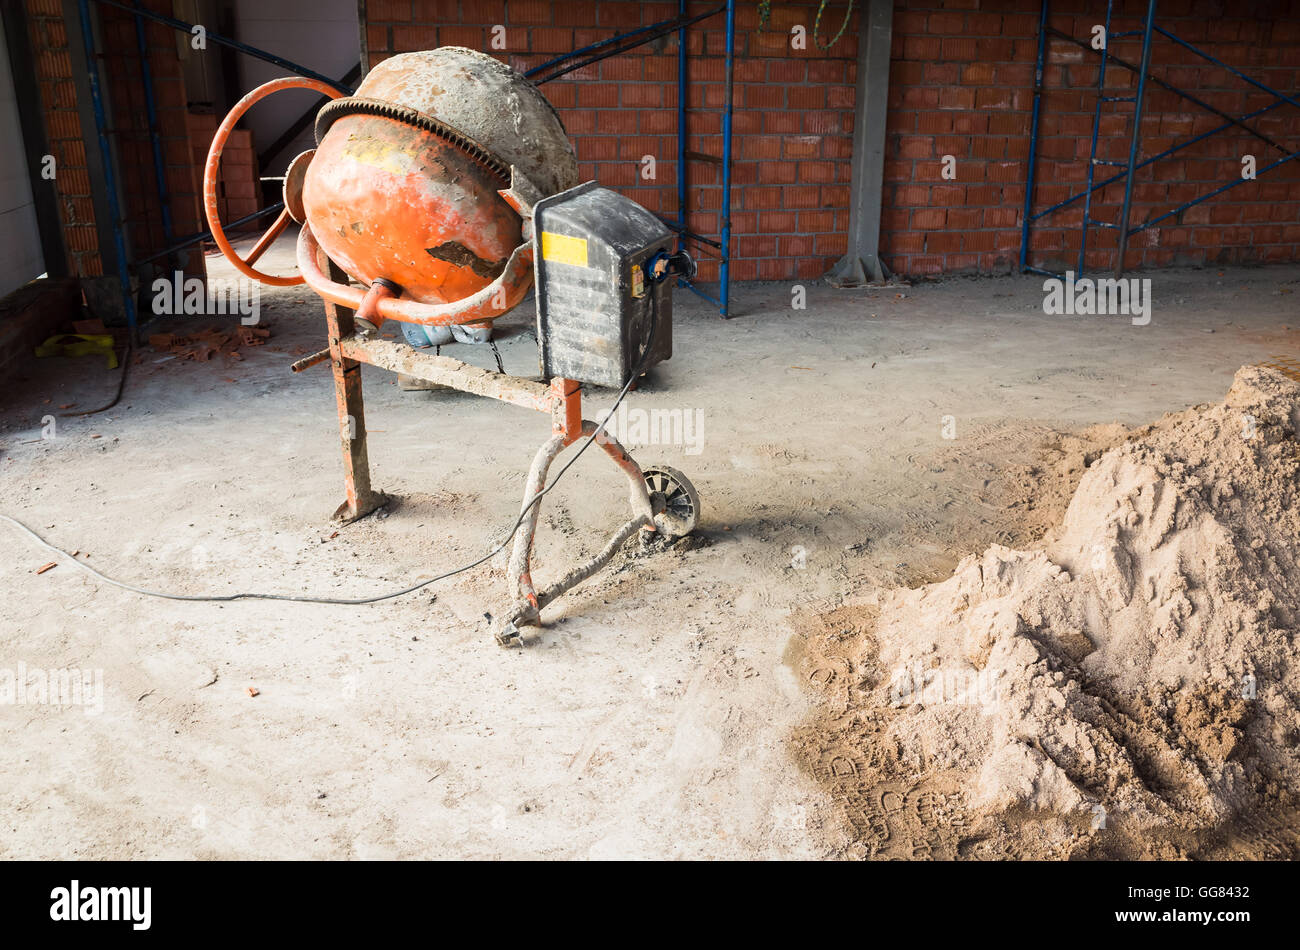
1126,687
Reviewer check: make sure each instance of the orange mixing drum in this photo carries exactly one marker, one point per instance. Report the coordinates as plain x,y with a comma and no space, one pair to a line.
410,185
405,180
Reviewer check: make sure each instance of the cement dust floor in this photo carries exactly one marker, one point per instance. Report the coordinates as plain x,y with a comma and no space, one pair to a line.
651,717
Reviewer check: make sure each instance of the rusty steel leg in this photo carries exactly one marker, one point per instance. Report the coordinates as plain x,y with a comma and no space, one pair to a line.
566,409
361,498
528,602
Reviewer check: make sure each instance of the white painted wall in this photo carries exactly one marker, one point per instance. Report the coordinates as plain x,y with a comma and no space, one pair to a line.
20,239
319,34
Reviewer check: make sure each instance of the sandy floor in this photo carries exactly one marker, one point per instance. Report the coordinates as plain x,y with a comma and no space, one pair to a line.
652,717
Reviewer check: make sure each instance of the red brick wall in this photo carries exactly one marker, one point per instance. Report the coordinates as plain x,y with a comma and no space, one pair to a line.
53,62
121,69
961,84
121,75
793,121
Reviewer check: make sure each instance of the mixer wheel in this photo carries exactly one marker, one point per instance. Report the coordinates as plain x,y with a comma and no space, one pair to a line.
681,502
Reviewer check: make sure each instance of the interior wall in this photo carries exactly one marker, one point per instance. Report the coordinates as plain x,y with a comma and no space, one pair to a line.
958,137
793,117
319,34
19,231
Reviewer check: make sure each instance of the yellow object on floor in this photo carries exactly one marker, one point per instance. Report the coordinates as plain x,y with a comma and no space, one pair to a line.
79,344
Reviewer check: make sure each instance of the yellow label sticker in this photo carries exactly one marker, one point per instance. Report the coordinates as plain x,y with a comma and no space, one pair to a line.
564,249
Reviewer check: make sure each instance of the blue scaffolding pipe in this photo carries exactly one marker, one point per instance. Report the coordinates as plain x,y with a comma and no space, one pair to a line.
673,224
1217,191
110,177
1240,75
1181,93
681,127
1154,158
206,235
604,43
1096,131
1026,218
151,115
1135,140
546,71
724,268
1132,164
601,49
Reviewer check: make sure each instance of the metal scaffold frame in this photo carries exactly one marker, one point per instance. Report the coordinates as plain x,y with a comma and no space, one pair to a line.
99,112
1147,32
719,249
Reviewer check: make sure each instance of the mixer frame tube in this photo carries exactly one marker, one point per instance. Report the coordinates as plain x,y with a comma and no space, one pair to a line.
562,398
528,605
348,349
361,498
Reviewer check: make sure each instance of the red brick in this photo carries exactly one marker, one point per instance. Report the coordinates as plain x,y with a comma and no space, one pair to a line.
388,11
959,49
597,96
816,172
943,242
776,222
642,95
778,173
378,37
929,219
762,197
802,146
807,97
530,12
945,24
802,196
407,39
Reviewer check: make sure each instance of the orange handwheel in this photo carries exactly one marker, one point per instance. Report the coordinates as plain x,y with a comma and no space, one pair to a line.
213,166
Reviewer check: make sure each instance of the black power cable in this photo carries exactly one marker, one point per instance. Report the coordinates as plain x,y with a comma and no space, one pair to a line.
352,602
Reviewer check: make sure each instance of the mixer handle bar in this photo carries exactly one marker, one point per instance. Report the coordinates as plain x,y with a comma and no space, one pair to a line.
522,195
495,300
212,170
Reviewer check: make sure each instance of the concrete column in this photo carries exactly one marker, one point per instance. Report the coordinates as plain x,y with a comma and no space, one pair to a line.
862,263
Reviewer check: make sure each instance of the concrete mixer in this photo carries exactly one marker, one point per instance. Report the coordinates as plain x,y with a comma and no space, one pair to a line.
438,195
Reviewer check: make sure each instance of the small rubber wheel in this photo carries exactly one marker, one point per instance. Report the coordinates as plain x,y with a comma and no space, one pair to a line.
681,501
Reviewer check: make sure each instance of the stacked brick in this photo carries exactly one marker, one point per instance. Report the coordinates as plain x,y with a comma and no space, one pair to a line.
239,190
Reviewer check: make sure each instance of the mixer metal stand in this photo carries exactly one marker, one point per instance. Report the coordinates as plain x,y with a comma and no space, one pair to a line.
663,501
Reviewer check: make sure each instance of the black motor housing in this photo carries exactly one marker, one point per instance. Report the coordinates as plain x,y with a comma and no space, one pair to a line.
596,295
